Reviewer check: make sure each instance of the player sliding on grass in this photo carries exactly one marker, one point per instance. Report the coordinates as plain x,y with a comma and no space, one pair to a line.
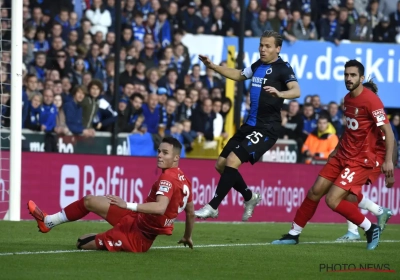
382,214
273,81
135,226
352,162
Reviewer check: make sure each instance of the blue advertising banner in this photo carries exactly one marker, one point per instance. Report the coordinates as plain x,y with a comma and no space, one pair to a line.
319,66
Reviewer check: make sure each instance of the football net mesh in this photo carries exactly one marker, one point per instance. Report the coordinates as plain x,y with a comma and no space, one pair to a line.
5,69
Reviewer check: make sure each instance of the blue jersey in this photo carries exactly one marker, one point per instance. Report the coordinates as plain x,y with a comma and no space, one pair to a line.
265,108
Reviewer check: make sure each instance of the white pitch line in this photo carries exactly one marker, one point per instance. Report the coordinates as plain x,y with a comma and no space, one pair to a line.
182,247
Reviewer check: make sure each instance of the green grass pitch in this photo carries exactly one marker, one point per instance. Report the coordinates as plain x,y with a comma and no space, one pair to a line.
222,251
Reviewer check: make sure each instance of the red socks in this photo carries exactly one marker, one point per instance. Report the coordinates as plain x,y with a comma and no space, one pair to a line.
305,212
76,210
350,211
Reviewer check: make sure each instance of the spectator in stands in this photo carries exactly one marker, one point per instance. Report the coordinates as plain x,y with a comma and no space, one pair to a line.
395,123
309,121
188,135
219,120
260,24
41,44
383,32
205,21
219,26
183,108
305,29
344,23
316,102
151,113
167,115
361,30
375,14
395,19
31,85
127,120
149,55
162,96
171,81
61,125
173,16
210,80
353,14
128,75
32,120
99,17
386,7
190,22
48,112
330,28
38,67
163,29
73,113
336,117
203,120
321,142
181,64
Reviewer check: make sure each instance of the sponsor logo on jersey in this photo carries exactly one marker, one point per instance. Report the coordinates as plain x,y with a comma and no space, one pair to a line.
257,81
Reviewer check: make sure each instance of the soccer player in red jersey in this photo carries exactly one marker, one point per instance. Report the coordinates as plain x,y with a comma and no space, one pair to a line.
352,162
135,226
383,214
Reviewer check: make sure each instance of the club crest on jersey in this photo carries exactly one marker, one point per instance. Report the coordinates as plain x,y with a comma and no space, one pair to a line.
269,71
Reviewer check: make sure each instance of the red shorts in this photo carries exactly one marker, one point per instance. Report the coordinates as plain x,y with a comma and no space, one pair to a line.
125,234
346,174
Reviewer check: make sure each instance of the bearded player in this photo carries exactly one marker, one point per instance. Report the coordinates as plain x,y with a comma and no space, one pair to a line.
352,162
135,226
383,214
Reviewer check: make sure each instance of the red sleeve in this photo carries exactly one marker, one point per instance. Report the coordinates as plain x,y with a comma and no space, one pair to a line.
165,186
377,111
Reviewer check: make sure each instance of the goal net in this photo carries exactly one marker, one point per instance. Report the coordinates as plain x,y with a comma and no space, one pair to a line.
11,19
5,109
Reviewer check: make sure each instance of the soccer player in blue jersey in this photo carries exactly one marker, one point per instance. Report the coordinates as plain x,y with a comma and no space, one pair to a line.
272,81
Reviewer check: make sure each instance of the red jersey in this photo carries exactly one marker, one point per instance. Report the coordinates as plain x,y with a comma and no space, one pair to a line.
173,184
359,140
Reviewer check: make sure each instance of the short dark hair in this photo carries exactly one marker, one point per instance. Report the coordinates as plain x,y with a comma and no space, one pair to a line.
323,117
174,142
217,100
355,63
97,83
308,105
371,86
138,95
278,37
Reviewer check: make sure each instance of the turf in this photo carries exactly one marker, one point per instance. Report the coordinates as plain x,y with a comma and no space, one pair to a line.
230,260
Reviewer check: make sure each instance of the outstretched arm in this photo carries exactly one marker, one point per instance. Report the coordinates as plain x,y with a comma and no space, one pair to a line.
387,167
230,73
156,208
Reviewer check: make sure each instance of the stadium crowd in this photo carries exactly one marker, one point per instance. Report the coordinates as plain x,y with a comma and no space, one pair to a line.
69,50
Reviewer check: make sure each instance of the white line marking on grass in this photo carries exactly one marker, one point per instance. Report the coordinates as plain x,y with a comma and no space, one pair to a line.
181,247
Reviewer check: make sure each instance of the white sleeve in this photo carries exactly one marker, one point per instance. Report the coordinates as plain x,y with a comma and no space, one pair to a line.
247,72
218,125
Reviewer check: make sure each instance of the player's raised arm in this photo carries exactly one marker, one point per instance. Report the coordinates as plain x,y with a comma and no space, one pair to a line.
230,73
189,224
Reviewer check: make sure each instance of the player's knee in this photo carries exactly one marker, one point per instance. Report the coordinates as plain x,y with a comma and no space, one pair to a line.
314,194
219,168
331,202
88,201
233,161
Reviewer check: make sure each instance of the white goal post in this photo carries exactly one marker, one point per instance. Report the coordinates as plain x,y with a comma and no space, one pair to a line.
16,110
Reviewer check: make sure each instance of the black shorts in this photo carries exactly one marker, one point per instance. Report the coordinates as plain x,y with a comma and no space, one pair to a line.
250,143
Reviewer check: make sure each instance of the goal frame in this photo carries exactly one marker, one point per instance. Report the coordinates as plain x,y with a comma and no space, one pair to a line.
16,111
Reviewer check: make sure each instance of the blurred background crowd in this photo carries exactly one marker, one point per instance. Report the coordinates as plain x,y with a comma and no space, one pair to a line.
69,49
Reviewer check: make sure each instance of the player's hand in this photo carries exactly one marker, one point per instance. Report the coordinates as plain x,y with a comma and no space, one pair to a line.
273,91
389,182
207,62
387,169
186,241
116,200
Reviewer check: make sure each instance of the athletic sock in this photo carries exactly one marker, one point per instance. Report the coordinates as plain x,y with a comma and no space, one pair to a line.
303,215
372,207
226,182
351,213
55,219
352,228
76,210
241,187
